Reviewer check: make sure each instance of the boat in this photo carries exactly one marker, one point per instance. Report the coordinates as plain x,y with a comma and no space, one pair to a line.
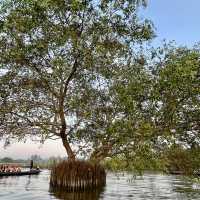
176,172
195,173
22,173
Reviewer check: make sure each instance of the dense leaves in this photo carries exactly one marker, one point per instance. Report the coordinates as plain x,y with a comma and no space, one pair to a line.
177,95
159,104
73,70
58,62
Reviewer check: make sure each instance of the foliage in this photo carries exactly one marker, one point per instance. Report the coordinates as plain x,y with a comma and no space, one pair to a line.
137,164
177,94
159,101
184,160
72,70
59,60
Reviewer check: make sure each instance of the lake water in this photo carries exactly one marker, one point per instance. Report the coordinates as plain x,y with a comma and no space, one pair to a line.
118,187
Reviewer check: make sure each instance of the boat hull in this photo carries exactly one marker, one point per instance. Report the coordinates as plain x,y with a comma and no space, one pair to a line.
23,173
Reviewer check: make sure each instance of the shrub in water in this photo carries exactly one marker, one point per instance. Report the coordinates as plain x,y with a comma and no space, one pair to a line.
77,176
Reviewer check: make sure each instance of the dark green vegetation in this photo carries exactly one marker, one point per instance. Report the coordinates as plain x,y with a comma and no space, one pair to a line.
172,160
184,160
78,71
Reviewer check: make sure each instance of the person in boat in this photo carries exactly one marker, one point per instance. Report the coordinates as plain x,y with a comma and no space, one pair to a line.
19,169
4,168
7,168
1,168
10,168
14,168
31,165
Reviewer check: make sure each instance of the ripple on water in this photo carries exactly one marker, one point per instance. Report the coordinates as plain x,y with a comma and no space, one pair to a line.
119,187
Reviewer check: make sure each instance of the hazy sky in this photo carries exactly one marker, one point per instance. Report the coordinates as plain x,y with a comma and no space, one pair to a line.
174,20
25,150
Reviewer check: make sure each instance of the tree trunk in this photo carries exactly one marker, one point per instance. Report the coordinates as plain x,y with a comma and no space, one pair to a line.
63,91
70,153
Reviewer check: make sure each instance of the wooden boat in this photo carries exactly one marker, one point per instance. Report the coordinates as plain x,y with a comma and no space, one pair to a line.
195,173
22,173
176,172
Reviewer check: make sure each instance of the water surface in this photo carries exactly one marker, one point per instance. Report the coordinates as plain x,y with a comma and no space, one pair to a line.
118,187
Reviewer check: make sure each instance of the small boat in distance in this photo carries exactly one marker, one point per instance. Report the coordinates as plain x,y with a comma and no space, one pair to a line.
22,173
14,170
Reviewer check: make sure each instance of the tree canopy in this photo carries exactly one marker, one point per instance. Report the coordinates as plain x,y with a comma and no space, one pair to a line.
58,62
74,70
159,102
177,94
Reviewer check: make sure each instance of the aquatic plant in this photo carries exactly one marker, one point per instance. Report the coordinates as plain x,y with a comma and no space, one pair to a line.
77,176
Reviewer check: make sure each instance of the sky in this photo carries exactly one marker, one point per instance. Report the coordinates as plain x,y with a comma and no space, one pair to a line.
177,20
26,150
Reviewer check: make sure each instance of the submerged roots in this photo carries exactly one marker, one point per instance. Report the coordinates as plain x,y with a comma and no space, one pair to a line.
77,176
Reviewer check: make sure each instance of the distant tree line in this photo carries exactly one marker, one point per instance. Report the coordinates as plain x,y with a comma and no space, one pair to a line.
47,163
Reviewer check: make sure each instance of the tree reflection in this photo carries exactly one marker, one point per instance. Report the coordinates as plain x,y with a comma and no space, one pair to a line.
89,195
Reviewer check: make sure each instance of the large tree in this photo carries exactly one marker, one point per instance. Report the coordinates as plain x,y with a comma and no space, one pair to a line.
59,60
159,103
176,94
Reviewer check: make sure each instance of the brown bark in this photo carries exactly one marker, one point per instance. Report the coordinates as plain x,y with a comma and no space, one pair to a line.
70,153
99,154
63,135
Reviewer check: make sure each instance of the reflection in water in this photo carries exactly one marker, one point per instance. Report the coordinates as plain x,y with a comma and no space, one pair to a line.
89,195
187,190
149,187
28,183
